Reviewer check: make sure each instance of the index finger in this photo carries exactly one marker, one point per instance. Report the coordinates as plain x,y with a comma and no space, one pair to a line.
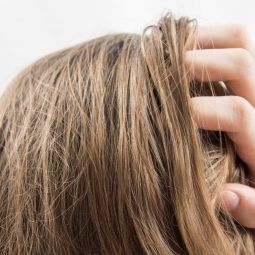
225,36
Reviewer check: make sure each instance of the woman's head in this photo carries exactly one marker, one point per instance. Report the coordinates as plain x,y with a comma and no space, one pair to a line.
100,154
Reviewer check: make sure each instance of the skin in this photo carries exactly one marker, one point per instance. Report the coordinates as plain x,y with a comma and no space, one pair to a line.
228,54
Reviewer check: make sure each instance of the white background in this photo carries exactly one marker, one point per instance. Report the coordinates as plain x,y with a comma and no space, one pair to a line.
32,28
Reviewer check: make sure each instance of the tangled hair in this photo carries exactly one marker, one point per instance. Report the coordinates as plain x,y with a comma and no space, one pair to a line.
100,153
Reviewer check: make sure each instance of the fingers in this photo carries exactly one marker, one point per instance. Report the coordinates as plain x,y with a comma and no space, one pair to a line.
239,200
235,67
228,54
225,36
226,113
208,113
232,114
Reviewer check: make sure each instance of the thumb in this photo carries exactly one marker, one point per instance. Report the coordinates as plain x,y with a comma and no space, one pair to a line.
239,200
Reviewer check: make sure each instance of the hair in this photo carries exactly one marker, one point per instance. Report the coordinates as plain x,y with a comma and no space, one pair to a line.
100,154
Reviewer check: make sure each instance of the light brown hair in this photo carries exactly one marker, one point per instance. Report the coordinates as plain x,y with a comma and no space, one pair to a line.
100,153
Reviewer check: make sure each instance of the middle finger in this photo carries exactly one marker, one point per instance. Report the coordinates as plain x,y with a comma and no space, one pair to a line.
234,66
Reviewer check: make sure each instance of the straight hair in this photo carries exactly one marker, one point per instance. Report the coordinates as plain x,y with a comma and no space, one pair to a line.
100,154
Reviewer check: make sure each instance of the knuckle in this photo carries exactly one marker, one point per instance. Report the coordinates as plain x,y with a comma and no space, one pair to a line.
243,61
241,34
243,110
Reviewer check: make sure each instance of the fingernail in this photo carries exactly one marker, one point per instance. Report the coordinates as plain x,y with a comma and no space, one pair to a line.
230,200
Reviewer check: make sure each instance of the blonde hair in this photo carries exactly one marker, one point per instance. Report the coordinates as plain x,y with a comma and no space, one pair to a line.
100,153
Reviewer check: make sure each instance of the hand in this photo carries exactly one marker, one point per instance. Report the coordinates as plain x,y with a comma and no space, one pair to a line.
228,55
